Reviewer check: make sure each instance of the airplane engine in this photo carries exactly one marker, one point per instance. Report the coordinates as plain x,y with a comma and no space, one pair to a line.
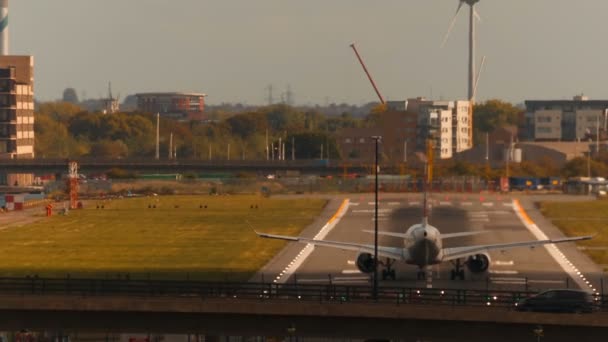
365,263
478,263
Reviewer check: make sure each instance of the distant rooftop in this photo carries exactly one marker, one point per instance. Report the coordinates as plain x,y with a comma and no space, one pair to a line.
170,94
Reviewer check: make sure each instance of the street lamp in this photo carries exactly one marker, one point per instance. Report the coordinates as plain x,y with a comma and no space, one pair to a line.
375,289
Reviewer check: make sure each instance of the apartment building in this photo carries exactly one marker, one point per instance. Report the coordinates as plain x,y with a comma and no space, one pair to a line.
405,127
565,120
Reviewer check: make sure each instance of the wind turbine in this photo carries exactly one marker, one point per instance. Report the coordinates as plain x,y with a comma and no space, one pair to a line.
472,16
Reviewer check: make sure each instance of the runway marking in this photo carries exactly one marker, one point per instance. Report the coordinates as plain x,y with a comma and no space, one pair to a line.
308,249
503,272
509,282
480,220
552,249
368,211
503,263
478,213
354,204
490,204
317,280
466,204
351,272
445,203
508,279
507,204
414,203
351,281
394,203
350,278
350,262
540,281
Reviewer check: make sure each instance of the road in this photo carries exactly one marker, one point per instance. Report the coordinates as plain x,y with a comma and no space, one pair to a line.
515,269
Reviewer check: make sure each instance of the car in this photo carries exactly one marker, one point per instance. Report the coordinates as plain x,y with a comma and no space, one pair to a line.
564,300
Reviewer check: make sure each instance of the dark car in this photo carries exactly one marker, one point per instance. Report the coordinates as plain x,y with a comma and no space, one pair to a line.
576,301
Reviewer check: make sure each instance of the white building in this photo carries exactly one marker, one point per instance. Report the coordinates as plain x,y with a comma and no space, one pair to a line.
447,122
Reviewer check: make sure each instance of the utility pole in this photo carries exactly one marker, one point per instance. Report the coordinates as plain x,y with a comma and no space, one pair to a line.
170,145
375,289
267,156
157,155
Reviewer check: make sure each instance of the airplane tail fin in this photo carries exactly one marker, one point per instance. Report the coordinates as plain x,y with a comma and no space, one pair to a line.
428,180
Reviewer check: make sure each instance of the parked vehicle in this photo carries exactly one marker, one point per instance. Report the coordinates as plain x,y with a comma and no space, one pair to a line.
567,300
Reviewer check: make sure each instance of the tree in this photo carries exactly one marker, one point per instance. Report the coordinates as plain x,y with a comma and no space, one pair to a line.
493,114
70,96
110,149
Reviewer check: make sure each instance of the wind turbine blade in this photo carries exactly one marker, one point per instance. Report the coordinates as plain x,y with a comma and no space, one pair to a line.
447,35
483,62
476,14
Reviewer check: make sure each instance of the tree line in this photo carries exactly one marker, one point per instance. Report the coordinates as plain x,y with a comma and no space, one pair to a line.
65,130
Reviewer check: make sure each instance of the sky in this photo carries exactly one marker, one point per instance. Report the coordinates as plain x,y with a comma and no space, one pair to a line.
232,50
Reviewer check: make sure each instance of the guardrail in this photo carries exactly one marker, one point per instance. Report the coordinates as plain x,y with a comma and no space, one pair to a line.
264,291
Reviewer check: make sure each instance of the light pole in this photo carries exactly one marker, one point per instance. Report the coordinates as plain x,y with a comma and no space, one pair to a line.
375,289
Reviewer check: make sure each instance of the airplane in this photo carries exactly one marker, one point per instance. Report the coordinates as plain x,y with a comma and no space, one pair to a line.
423,247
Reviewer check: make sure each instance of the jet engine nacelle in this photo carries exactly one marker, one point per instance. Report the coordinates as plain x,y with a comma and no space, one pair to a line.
365,263
478,263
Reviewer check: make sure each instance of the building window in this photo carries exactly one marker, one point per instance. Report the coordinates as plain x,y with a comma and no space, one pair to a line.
543,129
347,140
361,140
543,119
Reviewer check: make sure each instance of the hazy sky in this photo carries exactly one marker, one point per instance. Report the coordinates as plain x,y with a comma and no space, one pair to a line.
232,50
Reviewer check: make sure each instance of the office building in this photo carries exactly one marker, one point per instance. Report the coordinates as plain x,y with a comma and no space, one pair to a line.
180,106
565,120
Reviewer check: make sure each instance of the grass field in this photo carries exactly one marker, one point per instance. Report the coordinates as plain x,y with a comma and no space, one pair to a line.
582,218
127,237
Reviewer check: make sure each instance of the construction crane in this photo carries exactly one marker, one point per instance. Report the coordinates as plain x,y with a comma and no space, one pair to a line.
369,76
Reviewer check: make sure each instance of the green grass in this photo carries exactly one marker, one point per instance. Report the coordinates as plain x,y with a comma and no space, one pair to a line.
582,218
163,243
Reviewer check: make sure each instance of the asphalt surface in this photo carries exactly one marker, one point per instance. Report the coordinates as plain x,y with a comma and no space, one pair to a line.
516,269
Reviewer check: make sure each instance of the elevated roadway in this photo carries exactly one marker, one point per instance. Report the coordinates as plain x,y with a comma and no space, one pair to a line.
250,317
97,165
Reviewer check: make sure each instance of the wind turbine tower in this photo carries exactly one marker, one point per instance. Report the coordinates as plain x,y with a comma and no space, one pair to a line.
472,17
3,27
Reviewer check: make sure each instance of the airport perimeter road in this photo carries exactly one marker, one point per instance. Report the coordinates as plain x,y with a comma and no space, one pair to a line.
515,269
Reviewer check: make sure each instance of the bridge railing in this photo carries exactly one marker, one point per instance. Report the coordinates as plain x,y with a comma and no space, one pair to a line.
259,291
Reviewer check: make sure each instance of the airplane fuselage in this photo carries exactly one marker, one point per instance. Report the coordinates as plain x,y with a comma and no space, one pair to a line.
424,245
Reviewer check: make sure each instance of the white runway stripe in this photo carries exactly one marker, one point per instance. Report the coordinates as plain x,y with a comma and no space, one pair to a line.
503,272
503,263
351,272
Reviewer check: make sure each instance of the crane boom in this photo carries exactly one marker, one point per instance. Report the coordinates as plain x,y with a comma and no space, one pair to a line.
367,73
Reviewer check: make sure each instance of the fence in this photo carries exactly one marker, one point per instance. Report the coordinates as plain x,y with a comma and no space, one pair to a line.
264,291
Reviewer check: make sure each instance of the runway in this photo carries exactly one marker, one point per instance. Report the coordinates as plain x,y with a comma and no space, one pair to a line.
516,269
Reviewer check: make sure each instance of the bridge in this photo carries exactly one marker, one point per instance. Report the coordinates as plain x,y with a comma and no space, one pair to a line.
94,165
257,309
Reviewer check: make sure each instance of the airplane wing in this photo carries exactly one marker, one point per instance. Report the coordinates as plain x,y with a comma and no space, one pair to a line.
443,236
463,252
389,252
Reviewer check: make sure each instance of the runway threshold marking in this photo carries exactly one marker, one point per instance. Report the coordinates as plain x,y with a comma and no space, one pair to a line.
552,249
309,248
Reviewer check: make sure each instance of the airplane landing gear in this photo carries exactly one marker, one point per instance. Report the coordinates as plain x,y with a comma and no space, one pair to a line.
458,271
389,271
421,274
